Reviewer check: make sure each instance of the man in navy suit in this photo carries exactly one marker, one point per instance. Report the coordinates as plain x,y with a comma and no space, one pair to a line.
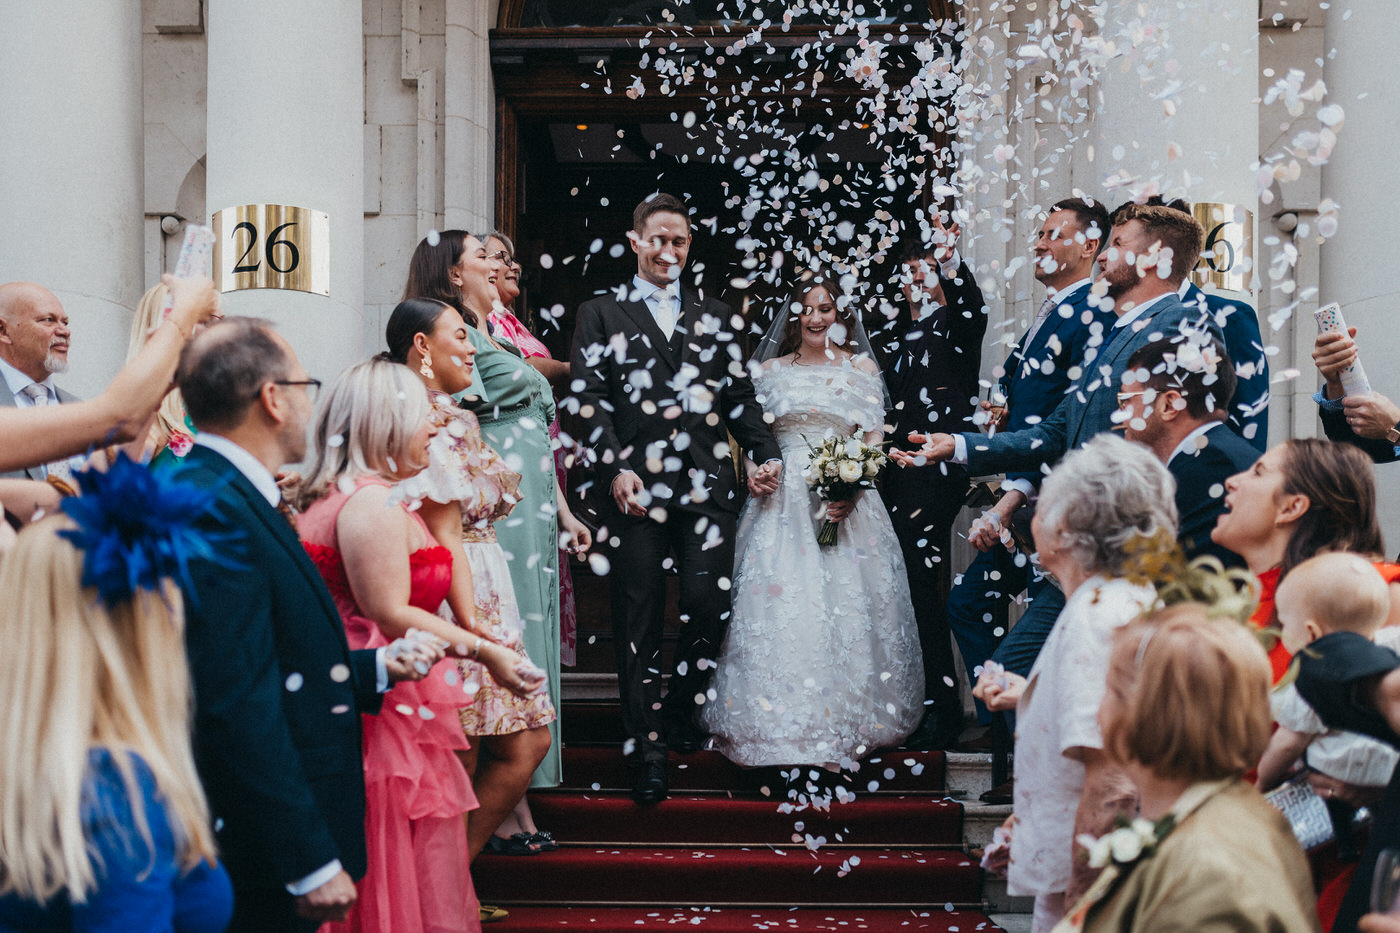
1035,377
1180,411
277,690
1150,251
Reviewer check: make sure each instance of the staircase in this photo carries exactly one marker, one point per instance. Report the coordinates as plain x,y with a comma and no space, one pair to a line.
796,849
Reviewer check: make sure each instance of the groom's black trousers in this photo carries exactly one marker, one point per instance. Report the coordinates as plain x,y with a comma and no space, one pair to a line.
705,561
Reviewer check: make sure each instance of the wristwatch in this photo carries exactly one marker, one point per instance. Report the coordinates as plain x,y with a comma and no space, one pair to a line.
1393,435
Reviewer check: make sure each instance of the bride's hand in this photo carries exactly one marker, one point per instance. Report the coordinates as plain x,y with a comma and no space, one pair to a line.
839,511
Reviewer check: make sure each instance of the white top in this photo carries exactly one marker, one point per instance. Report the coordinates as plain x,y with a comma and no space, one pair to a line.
1344,756
1058,712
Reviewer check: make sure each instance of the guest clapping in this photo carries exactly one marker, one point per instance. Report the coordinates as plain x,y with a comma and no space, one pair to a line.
387,576
106,825
1094,507
1185,714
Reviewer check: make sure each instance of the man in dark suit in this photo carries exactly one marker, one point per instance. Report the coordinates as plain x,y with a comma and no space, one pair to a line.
277,690
1181,412
34,339
932,362
1035,377
660,377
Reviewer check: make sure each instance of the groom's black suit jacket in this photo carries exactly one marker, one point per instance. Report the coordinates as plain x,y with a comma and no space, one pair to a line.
642,393
282,767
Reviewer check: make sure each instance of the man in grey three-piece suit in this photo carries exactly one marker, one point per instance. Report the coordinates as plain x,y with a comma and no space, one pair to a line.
34,339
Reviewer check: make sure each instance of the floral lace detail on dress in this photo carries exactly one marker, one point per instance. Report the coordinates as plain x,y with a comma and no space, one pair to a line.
463,469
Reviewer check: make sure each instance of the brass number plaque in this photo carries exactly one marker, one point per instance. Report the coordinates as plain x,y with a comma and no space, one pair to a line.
272,246
1225,259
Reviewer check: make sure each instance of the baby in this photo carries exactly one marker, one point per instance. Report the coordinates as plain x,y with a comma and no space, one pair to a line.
1325,594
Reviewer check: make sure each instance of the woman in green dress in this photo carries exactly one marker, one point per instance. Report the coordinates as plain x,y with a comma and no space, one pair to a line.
514,405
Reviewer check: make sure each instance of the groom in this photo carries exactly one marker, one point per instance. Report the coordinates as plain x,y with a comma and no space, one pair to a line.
662,378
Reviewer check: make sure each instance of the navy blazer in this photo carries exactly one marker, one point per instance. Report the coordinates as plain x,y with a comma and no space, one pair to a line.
1334,425
1239,326
639,393
1089,406
1037,375
1200,490
282,765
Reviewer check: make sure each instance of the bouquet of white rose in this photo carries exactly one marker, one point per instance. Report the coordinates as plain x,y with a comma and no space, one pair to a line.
840,467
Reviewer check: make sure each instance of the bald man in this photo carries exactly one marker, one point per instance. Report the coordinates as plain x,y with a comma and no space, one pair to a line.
34,338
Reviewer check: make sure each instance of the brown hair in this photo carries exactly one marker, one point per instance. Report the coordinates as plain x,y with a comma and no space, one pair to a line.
1090,215
655,204
1340,483
792,307
429,272
1339,592
1211,674
1208,393
1175,230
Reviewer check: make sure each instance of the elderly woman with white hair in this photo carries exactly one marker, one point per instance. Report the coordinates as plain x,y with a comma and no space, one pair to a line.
1094,507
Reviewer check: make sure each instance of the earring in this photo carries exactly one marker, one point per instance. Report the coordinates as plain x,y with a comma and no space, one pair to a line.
426,368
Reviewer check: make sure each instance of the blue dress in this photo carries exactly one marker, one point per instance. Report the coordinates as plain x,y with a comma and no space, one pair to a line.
137,892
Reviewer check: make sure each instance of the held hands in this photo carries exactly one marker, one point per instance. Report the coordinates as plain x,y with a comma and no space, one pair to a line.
988,531
329,903
509,669
936,448
413,655
1332,353
627,492
763,481
998,688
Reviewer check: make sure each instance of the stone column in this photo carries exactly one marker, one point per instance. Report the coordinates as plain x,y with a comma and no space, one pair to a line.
71,173
286,118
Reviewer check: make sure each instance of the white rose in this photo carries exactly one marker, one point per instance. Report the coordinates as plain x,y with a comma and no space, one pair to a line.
872,467
829,469
1098,849
849,471
1125,844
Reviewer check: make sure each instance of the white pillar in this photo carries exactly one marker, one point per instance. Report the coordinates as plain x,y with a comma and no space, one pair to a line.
1358,268
71,170
1208,129
286,126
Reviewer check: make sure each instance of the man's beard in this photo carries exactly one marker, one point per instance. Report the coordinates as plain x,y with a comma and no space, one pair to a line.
53,363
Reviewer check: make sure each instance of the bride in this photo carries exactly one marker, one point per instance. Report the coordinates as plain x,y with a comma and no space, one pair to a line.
821,661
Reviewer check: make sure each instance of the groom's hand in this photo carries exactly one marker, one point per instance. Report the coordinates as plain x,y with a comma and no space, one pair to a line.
764,480
935,448
626,489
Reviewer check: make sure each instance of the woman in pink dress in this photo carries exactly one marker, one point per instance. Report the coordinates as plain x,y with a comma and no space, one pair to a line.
507,325
388,577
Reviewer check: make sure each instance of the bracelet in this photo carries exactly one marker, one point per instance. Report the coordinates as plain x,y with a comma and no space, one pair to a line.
172,323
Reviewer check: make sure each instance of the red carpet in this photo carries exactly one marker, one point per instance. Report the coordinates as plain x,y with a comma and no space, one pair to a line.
797,849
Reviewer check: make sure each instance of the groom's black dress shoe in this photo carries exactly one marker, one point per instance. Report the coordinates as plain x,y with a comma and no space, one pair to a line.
685,741
650,785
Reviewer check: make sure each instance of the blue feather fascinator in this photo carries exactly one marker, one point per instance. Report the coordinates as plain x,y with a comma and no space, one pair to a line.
137,526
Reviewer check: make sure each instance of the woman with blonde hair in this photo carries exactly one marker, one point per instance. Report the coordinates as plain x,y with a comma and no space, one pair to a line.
170,427
388,576
103,822
1206,852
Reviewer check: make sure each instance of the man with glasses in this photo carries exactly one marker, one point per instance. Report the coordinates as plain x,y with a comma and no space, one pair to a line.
277,690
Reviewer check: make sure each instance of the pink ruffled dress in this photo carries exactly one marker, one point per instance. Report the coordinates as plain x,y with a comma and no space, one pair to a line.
416,790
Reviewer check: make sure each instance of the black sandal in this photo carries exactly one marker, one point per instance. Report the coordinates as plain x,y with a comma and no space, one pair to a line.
544,840
517,844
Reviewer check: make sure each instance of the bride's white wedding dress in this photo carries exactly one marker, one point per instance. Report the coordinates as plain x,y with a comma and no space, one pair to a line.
821,661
